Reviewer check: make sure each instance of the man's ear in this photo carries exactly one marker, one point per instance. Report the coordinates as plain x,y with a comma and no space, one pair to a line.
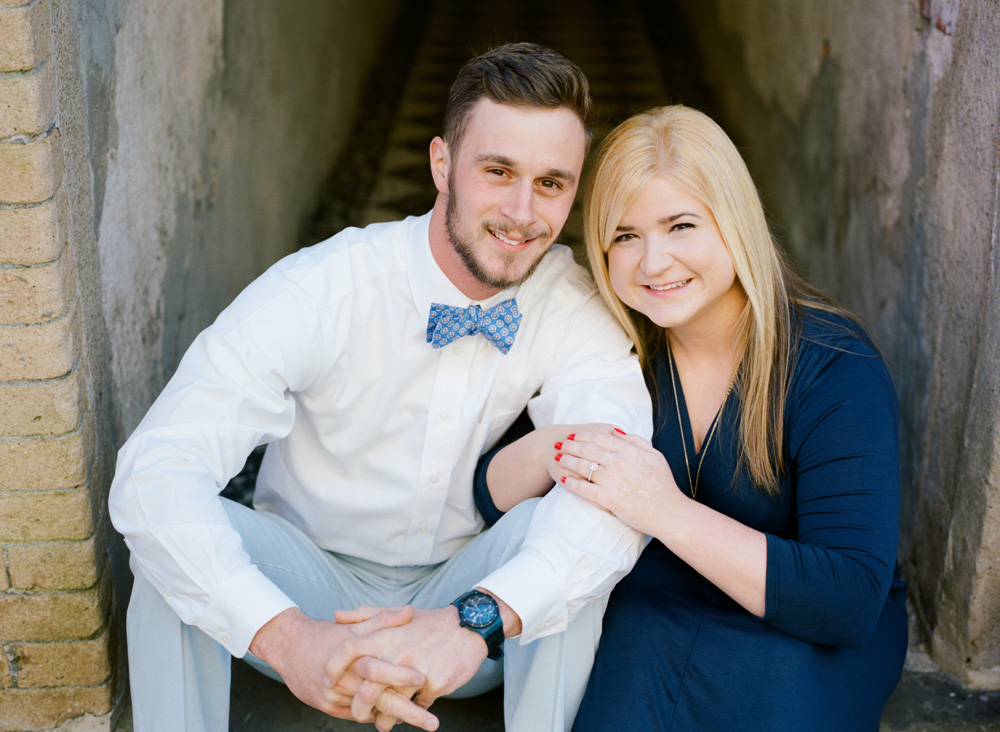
440,164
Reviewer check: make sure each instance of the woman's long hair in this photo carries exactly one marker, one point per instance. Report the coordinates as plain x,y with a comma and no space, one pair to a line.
691,150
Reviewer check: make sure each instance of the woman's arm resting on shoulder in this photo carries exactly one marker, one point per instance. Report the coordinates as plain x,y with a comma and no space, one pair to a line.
526,468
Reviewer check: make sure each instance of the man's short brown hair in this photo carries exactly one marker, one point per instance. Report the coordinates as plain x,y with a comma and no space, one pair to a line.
521,75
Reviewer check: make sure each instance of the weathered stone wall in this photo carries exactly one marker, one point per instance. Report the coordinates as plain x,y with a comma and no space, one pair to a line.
155,156
873,129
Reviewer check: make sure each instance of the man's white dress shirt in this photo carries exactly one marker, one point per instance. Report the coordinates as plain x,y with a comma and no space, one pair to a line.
373,435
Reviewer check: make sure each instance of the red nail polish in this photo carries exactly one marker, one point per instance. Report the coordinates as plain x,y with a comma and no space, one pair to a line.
620,432
571,436
562,479
558,457
558,446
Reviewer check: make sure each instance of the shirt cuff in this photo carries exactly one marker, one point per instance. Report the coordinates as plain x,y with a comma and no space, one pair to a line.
532,590
241,606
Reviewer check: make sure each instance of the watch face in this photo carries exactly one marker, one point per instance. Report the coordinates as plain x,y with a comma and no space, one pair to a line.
479,610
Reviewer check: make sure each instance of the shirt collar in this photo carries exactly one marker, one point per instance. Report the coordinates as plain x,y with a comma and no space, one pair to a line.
429,284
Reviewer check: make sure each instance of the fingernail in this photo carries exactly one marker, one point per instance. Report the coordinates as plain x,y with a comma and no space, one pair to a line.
620,432
558,456
571,436
562,479
558,446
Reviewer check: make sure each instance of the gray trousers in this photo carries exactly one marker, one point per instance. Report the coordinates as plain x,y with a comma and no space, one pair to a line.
180,677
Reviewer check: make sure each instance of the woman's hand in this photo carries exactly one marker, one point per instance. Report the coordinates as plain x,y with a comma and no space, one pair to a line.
525,468
632,480
634,483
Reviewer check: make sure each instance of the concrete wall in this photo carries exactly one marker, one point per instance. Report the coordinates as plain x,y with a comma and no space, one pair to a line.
155,156
873,129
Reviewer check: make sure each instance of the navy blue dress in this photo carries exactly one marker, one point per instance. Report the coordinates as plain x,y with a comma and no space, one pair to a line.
678,655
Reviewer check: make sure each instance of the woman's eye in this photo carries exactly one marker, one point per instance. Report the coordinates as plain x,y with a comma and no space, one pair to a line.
681,226
623,238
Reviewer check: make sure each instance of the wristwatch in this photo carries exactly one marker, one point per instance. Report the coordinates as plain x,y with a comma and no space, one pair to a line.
479,612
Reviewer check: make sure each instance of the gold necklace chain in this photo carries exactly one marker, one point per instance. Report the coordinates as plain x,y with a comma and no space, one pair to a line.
680,424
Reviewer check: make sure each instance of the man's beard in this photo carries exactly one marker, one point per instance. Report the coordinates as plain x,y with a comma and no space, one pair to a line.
465,251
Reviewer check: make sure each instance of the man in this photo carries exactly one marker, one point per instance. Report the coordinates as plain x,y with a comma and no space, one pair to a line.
374,420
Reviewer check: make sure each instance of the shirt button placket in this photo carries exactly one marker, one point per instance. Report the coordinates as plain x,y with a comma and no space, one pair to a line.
438,458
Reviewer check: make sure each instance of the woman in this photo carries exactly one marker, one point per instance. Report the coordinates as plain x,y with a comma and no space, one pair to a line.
768,598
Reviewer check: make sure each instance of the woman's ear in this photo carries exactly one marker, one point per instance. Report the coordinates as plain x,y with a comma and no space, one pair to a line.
440,164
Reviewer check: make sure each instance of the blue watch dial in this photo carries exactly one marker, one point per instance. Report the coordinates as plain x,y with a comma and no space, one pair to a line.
478,610
480,613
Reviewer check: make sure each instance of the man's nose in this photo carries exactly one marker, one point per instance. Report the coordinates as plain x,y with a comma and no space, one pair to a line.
520,204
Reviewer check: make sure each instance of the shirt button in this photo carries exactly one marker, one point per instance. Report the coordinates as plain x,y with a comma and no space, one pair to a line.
434,479
458,350
225,638
424,527
168,593
444,416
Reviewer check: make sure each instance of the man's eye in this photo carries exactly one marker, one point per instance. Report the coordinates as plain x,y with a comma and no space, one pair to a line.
496,171
552,184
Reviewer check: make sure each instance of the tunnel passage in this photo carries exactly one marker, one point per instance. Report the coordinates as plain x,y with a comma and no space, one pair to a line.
383,174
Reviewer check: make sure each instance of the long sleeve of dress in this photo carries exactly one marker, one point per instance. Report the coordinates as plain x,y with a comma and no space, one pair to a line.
828,584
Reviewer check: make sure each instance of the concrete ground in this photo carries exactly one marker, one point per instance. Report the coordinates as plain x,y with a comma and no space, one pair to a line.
384,176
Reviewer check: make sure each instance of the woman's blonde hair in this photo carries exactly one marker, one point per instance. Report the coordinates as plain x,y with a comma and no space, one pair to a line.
691,150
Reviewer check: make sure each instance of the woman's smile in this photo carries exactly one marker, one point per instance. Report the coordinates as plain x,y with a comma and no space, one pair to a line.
669,262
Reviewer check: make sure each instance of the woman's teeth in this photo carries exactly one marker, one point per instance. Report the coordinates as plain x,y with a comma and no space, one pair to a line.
669,287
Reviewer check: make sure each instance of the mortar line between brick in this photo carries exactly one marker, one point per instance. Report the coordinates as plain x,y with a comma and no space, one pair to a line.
51,381
48,438
37,204
64,641
16,8
37,265
84,486
50,542
28,139
13,663
6,568
14,75
60,316
95,588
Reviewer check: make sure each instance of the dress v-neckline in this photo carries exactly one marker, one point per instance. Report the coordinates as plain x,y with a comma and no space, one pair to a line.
686,420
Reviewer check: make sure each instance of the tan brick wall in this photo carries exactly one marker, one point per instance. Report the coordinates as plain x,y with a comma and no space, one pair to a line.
76,663
34,234
54,582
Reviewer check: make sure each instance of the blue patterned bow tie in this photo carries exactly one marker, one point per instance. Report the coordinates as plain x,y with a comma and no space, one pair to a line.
499,324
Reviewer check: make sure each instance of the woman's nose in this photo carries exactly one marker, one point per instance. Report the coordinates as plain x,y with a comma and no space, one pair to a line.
656,257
